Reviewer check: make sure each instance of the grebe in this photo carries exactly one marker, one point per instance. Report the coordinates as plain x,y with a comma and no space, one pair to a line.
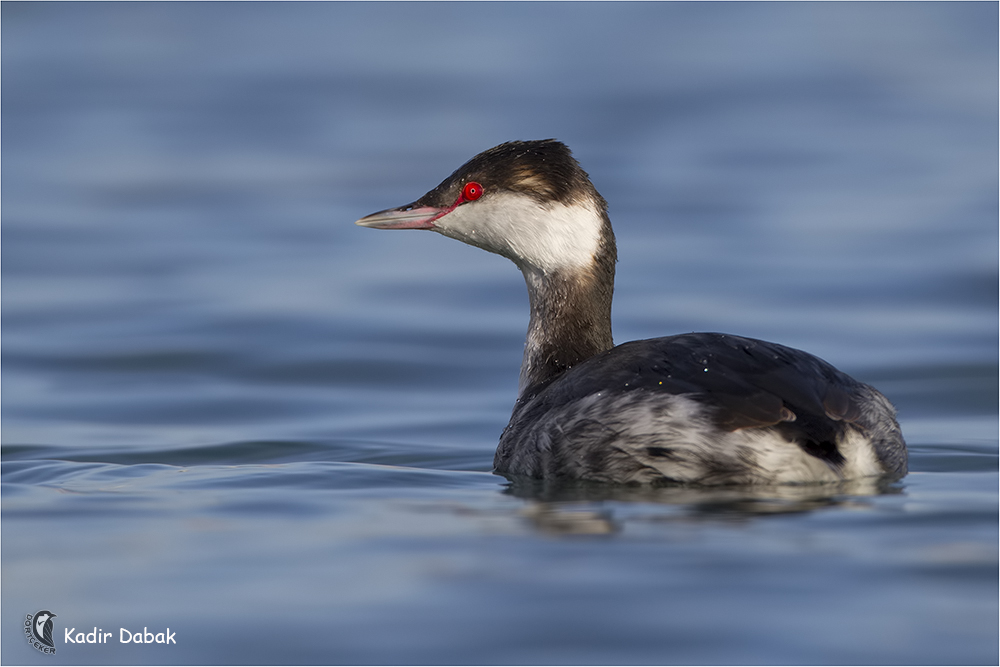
698,408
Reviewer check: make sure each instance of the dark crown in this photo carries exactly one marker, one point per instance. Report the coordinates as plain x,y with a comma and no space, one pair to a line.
543,169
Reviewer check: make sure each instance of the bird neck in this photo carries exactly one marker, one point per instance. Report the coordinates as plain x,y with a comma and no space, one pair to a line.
570,319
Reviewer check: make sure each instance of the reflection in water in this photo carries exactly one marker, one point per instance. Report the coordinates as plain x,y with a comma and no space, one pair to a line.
564,507
556,519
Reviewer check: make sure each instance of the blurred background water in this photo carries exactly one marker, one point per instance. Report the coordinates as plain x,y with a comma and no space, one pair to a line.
229,411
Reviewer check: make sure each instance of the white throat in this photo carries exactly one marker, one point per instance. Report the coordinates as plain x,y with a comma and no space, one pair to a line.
546,237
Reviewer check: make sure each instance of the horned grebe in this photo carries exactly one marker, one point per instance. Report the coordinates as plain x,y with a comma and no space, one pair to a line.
702,408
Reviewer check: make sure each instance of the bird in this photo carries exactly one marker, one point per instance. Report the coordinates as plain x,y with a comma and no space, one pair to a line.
43,627
698,409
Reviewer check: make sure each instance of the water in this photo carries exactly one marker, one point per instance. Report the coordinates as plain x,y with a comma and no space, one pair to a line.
230,412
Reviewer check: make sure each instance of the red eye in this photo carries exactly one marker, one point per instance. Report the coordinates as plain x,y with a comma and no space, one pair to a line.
472,191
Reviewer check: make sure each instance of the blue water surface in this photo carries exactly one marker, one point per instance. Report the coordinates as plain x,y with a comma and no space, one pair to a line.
229,412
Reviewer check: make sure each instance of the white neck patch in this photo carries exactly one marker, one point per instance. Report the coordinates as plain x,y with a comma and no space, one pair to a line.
543,236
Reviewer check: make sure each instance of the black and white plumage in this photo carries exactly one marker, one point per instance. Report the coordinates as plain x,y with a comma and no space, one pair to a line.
699,408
